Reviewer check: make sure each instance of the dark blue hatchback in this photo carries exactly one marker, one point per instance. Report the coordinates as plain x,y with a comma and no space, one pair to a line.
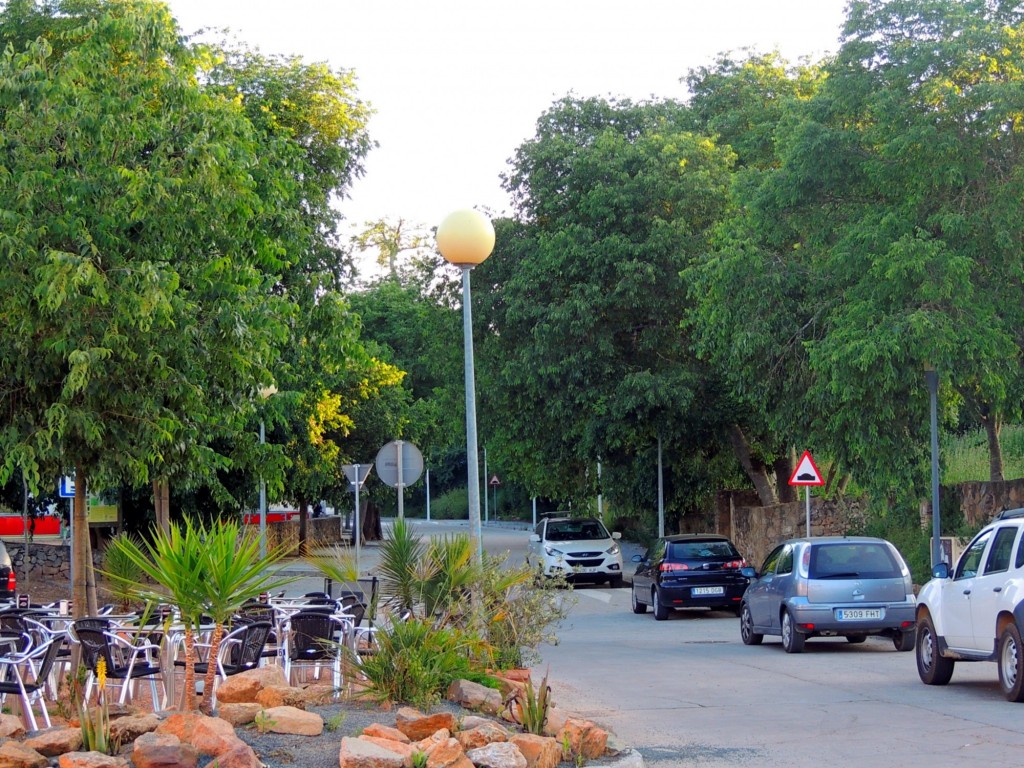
689,571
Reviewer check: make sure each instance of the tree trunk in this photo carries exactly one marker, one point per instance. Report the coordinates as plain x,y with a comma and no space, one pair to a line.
162,504
783,467
994,428
83,579
303,526
753,466
369,522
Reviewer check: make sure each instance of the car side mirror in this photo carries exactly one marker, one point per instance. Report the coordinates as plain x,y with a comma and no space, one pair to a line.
749,572
535,537
941,571
617,535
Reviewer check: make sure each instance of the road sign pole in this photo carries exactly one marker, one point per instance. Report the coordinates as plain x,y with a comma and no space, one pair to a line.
356,529
807,499
401,491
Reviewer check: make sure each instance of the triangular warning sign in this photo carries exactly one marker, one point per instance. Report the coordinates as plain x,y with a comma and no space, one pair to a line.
806,473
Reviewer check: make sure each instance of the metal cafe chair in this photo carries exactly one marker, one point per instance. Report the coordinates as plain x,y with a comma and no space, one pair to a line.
241,649
315,639
126,661
25,673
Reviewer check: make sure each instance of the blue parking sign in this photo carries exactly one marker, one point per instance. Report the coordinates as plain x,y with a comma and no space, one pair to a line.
66,488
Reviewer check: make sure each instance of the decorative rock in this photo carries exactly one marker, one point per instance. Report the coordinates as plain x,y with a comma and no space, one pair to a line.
385,732
360,753
447,754
209,735
14,754
152,750
282,696
555,723
127,729
498,755
518,675
475,696
11,727
239,714
539,751
403,748
585,738
91,760
240,755
485,733
55,741
294,721
244,686
319,695
417,725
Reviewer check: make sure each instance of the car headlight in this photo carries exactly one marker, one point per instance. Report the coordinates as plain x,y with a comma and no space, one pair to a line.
612,550
552,552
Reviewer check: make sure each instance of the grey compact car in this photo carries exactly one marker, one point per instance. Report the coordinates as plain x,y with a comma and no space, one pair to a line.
828,586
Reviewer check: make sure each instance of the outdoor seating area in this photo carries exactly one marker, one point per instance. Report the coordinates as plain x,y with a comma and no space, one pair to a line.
143,654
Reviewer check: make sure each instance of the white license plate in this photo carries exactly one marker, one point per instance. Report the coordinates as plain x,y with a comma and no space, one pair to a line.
858,614
707,591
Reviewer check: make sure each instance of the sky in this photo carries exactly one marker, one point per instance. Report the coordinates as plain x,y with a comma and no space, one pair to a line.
458,85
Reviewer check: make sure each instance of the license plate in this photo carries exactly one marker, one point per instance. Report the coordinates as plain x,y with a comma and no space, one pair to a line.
858,614
707,591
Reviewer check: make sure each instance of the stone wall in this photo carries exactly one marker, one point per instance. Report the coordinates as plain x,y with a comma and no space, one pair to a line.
981,501
757,530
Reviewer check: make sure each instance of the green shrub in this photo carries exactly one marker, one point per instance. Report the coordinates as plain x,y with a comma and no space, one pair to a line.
415,662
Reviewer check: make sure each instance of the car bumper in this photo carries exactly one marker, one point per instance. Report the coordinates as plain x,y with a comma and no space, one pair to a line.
680,596
609,569
823,618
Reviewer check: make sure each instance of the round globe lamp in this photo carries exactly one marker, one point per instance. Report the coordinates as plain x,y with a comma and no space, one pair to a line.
465,238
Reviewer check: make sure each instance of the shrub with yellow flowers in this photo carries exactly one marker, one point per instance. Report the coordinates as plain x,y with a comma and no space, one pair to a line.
95,722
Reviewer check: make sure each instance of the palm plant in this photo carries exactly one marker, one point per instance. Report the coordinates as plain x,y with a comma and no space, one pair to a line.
236,572
402,566
122,573
202,570
175,560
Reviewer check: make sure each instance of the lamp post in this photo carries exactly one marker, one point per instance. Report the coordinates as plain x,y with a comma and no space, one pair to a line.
465,238
265,394
932,377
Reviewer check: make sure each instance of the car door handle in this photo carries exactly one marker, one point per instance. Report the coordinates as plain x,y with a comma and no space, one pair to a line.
997,589
967,591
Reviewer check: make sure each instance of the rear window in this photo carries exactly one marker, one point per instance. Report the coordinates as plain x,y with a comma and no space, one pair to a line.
702,550
853,560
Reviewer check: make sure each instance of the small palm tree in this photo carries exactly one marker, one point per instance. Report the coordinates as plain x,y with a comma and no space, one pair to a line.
203,570
235,573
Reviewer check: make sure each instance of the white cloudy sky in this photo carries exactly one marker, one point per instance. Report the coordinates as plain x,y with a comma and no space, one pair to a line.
457,85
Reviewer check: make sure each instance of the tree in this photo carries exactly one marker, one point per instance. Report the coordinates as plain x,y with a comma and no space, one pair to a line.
584,295
138,310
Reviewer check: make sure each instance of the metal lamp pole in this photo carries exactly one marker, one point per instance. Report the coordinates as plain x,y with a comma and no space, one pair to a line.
465,238
932,377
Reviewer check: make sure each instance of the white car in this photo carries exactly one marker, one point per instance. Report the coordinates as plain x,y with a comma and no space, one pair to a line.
976,611
580,548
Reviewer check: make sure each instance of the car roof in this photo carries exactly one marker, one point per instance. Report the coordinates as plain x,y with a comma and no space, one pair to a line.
677,537
568,519
837,540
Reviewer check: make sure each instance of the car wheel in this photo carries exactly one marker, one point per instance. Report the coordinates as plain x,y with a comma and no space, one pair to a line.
638,607
856,639
1011,663
904,640
660,611
932,668
615,582
747,633
792,641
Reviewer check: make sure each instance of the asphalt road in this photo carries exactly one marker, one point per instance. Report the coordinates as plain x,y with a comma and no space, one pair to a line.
686,691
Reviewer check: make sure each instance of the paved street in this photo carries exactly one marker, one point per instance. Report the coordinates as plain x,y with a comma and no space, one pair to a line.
686,692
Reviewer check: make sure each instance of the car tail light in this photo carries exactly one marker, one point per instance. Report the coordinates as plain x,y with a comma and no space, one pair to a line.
673,567
737,564
806,627
12,582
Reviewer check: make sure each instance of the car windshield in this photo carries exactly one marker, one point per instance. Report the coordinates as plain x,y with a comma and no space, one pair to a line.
853,560
702,550
576,530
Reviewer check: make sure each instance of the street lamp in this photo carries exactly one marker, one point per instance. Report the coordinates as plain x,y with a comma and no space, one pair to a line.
465,238
265,394
932,377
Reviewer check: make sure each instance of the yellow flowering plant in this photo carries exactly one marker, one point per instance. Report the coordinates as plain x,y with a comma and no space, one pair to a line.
96,722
